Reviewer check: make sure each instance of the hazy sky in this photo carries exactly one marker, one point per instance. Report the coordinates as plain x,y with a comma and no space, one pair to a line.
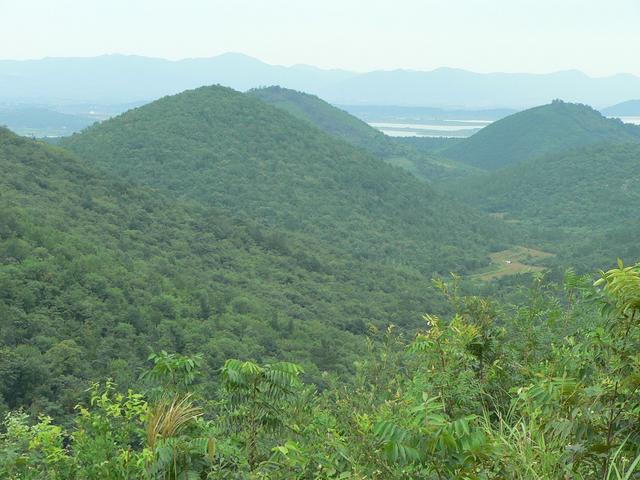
599,37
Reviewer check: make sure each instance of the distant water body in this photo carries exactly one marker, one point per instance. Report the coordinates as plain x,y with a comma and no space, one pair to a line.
634,120
447,128
436,128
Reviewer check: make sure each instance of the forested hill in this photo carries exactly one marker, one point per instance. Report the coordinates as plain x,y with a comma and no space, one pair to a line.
327,117
423,163
95,272
590,196
258,162
546,129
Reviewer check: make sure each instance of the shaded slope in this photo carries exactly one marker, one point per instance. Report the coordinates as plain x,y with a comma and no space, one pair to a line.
426,165
238,153
326,117
550,128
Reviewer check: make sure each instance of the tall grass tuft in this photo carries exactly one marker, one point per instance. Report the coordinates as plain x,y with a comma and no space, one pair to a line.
169,418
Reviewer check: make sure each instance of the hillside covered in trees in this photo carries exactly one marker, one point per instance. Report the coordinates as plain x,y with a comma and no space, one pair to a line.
239,154
581,201
552,128
419,158
211,286
326,117
95,272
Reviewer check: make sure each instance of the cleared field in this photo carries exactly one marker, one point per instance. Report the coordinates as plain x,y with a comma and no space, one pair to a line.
511,262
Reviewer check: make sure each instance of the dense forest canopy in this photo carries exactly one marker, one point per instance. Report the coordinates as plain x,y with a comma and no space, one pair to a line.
96,271
595,186
543,390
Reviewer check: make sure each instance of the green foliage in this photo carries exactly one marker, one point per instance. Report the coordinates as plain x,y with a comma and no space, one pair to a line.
33,451
429,144
173,372
105,431
258,397
474,396
172,438
622,285
95,272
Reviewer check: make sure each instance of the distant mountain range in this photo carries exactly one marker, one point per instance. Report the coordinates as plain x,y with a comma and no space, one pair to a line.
121,79
446,87
127,78
32,119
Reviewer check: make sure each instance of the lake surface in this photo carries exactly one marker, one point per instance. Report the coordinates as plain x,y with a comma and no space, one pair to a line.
456,128
434,128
